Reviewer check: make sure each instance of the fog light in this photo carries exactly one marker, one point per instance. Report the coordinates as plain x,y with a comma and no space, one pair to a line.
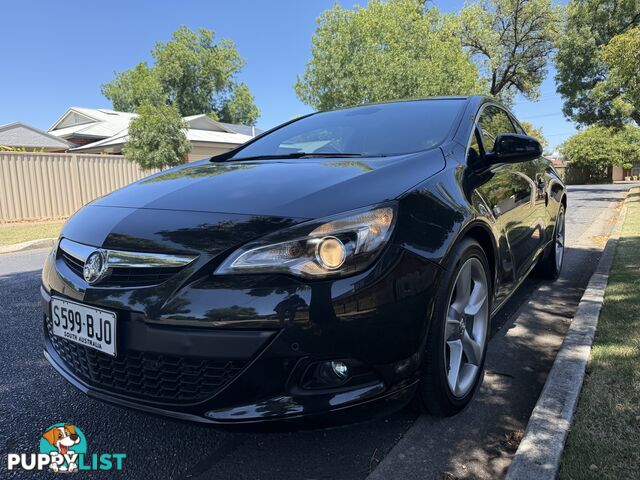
324,374
330,373
340,369
331,253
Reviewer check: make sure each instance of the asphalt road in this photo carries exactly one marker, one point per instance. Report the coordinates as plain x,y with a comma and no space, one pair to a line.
33,396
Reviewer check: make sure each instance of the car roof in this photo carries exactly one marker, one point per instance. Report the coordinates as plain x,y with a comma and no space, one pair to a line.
474,100
400,100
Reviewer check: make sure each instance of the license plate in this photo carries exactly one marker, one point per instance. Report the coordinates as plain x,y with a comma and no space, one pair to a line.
85,325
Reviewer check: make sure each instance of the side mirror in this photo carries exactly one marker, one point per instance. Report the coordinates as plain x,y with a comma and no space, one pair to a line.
514,148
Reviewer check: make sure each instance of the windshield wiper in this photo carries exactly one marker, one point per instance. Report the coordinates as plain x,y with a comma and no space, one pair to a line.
304,155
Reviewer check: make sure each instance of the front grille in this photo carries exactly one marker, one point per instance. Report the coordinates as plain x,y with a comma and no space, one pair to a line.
140,276
73,263
146,375
125,277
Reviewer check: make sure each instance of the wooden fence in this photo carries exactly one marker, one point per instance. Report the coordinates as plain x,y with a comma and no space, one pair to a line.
35,186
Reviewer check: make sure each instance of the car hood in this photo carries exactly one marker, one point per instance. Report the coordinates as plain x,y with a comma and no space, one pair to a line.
168,231
302,188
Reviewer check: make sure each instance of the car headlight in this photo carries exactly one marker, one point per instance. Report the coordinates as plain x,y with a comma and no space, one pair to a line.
334,246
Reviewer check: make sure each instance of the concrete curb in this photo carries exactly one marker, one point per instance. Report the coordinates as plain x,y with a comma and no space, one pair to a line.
540,451
30,245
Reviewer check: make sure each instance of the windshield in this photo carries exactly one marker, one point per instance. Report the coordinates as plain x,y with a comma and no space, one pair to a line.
371,130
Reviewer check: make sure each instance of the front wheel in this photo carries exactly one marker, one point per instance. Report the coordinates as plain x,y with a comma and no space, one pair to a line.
459,332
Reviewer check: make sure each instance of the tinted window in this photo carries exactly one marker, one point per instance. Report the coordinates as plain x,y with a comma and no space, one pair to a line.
473,155
494,121
519,129
386,129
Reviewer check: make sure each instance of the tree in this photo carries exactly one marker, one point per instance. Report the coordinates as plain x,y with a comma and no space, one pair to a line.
535,133
385,51
133,88
622,85
582,57
511,40
240,107
157,137
598,147
193,72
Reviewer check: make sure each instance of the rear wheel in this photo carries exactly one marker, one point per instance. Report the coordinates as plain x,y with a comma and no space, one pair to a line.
550,264
459,331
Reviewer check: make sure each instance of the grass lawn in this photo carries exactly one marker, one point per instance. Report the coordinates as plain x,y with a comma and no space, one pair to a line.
604,441
23,232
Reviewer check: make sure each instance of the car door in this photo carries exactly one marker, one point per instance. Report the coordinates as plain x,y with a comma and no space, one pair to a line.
538,170
510,193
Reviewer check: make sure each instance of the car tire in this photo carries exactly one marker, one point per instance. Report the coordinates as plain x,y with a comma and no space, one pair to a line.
453,362
550,263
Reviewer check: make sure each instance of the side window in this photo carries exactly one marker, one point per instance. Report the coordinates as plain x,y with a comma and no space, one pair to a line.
494,121
519,129
474,152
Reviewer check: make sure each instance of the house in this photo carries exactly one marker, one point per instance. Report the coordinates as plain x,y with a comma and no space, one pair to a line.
106,131
556,159
578,175
20,136
82,126
619,173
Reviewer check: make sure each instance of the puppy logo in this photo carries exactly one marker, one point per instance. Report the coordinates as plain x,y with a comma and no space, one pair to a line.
68,442
63,449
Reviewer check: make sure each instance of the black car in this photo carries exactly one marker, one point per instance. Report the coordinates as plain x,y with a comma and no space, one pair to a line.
329,269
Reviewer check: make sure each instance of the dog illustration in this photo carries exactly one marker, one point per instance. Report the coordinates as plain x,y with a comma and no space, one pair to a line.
62,438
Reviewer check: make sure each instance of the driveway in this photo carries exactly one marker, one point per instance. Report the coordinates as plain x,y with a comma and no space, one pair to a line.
479,442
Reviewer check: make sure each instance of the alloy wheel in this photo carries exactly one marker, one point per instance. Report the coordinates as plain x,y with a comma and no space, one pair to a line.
559,240
466,328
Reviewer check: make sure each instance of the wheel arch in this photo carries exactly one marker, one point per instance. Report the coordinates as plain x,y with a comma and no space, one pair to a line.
481,233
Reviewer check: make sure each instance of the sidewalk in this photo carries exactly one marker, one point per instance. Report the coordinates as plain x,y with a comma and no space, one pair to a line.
541,450
16,237
604,438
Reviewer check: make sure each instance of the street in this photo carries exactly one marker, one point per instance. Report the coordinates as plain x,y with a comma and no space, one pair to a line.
479,442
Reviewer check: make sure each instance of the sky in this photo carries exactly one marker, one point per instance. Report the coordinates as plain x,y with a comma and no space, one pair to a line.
54,55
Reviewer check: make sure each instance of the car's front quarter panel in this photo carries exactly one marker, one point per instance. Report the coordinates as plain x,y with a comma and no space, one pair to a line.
443,208
458,202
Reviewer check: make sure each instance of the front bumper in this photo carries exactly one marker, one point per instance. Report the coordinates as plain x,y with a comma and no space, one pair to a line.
233,371
351,410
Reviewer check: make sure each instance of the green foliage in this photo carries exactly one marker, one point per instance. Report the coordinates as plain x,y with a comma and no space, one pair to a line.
157,137
194,73
240,107
133,88
511,40
535,133
584,61
385,51
598,147
593,149
621,87
192,69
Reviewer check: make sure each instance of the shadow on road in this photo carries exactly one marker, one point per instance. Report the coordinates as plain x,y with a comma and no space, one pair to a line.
480,442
